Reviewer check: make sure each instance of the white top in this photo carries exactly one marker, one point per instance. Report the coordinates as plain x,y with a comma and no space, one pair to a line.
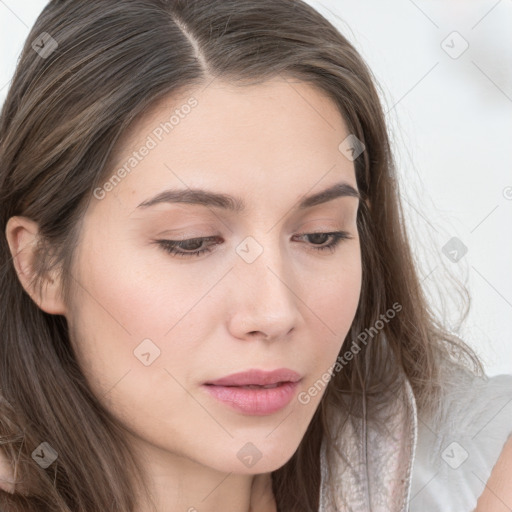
392,460
453,463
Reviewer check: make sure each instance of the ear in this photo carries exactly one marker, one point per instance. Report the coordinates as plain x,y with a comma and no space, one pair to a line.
6,475
22,235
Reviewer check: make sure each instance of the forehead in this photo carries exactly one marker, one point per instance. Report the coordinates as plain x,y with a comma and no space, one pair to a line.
223,107
270,138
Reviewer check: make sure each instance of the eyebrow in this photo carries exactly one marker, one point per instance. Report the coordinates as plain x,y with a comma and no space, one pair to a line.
235,204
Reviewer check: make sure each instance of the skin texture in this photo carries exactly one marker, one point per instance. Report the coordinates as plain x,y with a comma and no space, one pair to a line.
5,475
497,495
216,314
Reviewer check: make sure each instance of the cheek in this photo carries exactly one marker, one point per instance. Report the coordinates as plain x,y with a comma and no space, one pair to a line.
121,317
134,369
334,296
333,303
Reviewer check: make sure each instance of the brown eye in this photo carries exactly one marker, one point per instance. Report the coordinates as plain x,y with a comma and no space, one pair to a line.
196,247
184,248
318,238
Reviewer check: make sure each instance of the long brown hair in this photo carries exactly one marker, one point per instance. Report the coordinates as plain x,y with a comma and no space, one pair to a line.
108,62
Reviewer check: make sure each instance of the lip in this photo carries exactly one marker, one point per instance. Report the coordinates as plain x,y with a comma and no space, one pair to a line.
257,378
256,402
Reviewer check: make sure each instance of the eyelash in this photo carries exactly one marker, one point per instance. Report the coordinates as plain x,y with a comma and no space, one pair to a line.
170,246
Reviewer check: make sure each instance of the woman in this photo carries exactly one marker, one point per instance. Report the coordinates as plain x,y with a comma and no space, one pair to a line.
199,201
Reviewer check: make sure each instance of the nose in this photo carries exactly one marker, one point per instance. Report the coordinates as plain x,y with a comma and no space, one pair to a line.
264,299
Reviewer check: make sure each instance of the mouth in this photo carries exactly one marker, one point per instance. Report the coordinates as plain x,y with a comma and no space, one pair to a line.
258,378
253,386
254,400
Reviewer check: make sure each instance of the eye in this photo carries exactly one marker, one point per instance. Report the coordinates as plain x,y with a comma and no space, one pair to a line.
195,247
335,236
176,247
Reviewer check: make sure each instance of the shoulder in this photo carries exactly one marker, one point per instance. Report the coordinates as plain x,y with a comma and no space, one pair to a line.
457,450
498,491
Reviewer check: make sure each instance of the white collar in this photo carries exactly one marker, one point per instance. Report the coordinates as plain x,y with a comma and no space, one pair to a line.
377,445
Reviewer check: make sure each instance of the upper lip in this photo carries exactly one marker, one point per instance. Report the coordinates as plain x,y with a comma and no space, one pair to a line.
257,378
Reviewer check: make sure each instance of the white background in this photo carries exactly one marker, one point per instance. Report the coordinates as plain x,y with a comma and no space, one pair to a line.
450,120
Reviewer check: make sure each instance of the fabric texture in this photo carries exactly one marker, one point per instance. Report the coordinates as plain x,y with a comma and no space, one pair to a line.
456,456
372,471
390,459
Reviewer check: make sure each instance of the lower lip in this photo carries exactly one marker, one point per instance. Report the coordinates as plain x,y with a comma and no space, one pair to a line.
257,402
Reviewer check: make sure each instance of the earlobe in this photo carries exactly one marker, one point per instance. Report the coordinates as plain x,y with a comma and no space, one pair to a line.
22,237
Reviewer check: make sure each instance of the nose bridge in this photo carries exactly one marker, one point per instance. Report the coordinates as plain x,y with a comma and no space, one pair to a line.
263,299
266,291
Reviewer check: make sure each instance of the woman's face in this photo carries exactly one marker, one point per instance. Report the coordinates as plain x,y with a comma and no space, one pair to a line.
151,327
